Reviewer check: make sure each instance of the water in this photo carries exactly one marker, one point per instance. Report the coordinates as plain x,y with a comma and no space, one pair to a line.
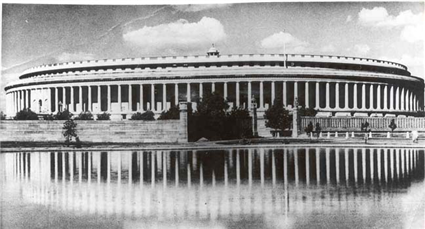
240,188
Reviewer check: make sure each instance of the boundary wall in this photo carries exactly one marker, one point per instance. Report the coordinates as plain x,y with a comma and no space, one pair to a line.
354,124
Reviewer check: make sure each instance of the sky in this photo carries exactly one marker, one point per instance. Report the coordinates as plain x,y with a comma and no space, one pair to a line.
35,34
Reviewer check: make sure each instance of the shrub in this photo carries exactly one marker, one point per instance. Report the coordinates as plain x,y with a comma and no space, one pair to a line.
69,130
172,113
277,117
147,116
49,117
104,116
85,115
63,115
2,115
307,111
26,114
239,113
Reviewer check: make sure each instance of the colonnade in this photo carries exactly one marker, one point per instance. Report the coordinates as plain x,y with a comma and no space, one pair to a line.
323,95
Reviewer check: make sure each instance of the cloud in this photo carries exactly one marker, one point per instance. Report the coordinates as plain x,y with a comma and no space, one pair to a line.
67,57
361,49
412,24
281,39
328,48
199,7
177,35
349,18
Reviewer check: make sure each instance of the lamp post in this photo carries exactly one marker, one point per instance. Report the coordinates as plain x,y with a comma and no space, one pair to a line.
295,119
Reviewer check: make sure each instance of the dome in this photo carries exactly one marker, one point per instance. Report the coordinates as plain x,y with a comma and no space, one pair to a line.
213,51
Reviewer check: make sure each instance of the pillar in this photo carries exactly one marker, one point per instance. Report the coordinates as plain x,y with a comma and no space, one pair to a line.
397,99
65,105
318,165
89,103
80,98
378,95
237,95
99,98
296,166
188,96
141,98
346,159
306,95
212,87
371,97
56,99
249,95
152,97
164,97
295,91
327,96
119,98
328,166
402,98
363,96
307,166
201,90
130,99
72,99
385,107
261,96
109,99
337,95
346,96
176,93
392,97
285,102
355,96
225,90
317,96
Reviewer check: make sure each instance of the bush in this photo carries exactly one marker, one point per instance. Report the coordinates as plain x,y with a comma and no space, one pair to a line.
49,117
172,113
85,115
147,116
307,111
239,113
26,114
277,117
2,115
104,116
63,115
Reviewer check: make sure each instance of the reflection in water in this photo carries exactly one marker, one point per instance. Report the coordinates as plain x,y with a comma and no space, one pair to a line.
213,184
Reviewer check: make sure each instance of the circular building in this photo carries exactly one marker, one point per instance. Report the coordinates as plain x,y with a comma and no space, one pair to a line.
334,85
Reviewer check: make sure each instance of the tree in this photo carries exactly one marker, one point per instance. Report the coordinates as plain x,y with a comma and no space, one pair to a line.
69,130
277,117
307,111
239,113
213,105
2,115
172,113
26,114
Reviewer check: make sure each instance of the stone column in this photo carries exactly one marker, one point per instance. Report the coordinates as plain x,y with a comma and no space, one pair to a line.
212,87
392,97
285,102
99,98
355,96
164,97
71,107
28,98
109,108
261,95
65,105
397,99
80,97
225,90
188,96
130,99
56,99
385,106
407,102
378,95
295,91
328,102
237,95
89,103
272,85
371,97
183,137
201,90
402,98
337,95
119,98
363,96
317,95
141,98
152,97
249,95
306,94
176,93
346,96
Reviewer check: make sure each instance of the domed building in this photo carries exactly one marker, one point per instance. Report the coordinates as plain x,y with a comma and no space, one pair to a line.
334,85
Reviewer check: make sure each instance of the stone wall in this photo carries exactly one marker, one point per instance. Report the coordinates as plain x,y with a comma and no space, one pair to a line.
95,131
